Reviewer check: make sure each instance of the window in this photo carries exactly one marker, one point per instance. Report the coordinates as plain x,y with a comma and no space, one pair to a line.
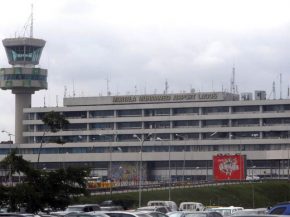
101,114
157,112
129,125
221,109
242,109
278,211
131,112
185,111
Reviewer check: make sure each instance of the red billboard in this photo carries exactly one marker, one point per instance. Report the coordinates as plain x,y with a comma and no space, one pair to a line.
229,167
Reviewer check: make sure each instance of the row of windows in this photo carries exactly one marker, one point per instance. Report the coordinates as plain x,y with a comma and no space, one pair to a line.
24,53
136,149
163,136
24,77
166,124
167,111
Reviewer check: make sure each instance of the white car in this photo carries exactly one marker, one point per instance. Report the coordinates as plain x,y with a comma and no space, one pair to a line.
252,178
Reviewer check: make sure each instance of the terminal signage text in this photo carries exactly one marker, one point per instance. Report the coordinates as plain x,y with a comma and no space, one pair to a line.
165,98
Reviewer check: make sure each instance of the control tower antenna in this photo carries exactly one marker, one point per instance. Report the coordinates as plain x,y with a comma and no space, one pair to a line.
31,22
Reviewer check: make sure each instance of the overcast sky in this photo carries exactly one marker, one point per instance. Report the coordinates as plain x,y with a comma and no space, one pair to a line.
136,45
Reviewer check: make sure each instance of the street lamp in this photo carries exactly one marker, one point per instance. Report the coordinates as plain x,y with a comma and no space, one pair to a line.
140,164
110,162
169,168
10,169
183,166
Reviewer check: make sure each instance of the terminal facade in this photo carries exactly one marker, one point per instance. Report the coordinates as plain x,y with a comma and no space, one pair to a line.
179,135
173,136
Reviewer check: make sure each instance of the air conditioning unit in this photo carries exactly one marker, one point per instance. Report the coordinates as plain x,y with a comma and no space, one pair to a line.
260,95
246,96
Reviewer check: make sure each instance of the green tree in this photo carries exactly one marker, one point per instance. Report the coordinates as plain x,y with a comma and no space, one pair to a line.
53,122
41,188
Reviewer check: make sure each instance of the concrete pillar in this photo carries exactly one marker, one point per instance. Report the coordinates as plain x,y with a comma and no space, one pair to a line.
22,100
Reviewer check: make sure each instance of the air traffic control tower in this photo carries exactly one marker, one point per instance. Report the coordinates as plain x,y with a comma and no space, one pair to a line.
23,78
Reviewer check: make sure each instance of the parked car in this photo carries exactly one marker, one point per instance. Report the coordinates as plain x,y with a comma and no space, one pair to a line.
110,205
252,178
191,206
171,204
194,214
152,213
87,214
280,209
162,209
77,209
227,211
258,211
121,214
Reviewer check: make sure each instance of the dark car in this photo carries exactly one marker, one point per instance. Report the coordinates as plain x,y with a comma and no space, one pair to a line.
194,214
280,209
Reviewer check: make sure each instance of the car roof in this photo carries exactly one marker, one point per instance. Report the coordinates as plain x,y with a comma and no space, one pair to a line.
83,205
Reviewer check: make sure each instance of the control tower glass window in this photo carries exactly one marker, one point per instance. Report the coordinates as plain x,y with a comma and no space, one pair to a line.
24,53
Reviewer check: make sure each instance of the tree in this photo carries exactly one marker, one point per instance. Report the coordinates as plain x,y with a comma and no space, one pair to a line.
41,188
54,122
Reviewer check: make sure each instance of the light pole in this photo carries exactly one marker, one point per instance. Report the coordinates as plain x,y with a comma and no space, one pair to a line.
183,166
140,164
110,162
169,168
10,169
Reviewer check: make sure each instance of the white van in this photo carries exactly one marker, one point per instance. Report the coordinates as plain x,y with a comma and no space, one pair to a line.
191,206
171,204
227,211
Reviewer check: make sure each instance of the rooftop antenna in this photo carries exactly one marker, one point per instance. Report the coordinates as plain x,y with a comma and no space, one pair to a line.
108,88
31,22
44,102
56,98
274,90
233,85
166,87
65,91
280,86
135,87
74,93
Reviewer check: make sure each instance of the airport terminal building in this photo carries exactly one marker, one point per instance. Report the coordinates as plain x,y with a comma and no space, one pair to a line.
179,134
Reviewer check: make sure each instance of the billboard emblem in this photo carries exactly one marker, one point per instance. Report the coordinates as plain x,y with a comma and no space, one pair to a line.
228,166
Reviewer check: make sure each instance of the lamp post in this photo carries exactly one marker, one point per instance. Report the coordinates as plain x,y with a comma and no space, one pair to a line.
183,166
140,164
110,162
10,169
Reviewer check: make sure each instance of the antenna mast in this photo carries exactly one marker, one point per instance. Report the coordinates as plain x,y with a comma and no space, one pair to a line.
108,88
166,87
31,22
280,86
274,90
233,82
